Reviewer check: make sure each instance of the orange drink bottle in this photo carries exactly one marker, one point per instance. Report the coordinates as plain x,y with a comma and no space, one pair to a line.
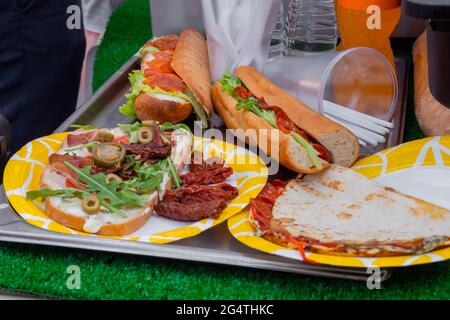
368,23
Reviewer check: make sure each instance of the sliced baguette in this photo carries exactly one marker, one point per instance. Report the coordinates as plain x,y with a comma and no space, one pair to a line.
191,63
291,154
341,143
70,214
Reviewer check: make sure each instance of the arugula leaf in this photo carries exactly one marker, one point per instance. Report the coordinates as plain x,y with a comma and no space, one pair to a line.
112,209
84,127
132,198
229,83
312,153
173,173
96,183
46,192
131,129
108,195
149,177
82,146
251,104
172,127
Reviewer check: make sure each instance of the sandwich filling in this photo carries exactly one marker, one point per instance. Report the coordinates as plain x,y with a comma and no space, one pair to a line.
111,175
115,169
274,116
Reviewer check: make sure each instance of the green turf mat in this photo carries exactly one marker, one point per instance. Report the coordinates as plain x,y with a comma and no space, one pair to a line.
42,270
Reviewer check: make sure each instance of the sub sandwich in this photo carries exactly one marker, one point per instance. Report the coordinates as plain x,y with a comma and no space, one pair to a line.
174,80
308,142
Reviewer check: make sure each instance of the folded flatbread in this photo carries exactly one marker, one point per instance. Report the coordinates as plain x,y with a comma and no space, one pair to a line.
342,212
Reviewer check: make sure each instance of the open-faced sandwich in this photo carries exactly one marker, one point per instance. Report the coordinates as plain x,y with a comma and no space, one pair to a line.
111,181
341,212
308,142
173,81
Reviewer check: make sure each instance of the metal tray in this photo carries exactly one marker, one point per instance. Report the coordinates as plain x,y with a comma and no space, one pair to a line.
213,246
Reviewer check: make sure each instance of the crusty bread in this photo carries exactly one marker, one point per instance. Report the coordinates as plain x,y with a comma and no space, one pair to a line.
291,155
191,63
104,224
148,107
341,143
123,227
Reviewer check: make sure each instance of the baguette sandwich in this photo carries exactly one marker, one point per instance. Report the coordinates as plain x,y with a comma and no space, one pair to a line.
308,142
173,81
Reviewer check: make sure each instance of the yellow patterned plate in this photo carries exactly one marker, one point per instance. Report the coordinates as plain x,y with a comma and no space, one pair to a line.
420,168
23,171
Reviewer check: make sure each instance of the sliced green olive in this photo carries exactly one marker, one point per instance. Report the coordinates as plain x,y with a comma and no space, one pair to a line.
105,136
112,177
149,123
145,135
91,204
108,154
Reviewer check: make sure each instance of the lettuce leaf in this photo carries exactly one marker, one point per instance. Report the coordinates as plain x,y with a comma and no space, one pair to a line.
198,109
251,104
229,83
144,50
312,153
136,77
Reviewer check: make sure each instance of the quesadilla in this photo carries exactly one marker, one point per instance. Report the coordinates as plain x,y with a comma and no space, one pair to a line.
341,212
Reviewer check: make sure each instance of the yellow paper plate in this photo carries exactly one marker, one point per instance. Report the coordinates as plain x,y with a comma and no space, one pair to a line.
420,168
23,172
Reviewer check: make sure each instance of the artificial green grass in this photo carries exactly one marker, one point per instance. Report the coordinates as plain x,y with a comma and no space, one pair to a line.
106,276
42,270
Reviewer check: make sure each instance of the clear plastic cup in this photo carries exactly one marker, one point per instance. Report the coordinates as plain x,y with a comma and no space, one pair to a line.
359,78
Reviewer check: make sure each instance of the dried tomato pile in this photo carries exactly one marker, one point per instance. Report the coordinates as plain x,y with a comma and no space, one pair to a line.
198,200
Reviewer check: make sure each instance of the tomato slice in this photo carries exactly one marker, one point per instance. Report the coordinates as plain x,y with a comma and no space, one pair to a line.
70,184
300,247
242,92
121,139
323,153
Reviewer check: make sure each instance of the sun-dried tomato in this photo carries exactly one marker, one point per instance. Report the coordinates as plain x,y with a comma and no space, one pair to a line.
262,205
193,203
213,176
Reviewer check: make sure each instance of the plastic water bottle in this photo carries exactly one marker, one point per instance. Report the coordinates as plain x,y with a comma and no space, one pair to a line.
309,27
